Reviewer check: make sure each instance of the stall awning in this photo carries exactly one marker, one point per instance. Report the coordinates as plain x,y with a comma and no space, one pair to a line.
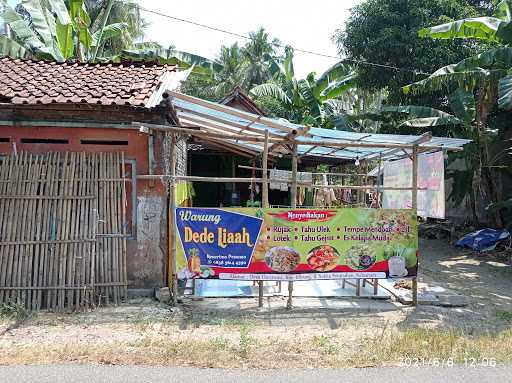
312,142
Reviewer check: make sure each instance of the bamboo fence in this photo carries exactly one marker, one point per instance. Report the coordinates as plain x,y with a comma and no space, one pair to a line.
62,230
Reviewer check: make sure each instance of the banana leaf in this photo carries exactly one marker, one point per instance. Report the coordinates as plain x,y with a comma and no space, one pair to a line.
11,48
272,91
482,28
431,121
110,31
463,105
505,92
23,33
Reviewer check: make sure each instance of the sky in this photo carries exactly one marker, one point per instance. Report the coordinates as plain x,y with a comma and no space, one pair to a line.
298,23
294,22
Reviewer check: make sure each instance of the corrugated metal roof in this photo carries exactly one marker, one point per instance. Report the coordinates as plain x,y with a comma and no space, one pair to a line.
214,117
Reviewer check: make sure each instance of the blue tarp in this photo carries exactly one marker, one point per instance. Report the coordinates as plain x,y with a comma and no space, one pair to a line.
483,240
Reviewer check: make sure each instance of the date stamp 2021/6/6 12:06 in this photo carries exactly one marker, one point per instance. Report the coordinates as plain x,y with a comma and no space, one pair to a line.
447,362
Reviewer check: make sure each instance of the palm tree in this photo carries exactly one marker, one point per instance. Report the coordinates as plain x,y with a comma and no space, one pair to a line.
232,72
259,52
309,101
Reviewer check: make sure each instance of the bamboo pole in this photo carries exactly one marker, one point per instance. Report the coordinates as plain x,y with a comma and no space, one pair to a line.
379,190
164,178
265,204
29,250
201,133
124,227
172,262
14,213
92,232
293,196
113,170
80,233
264,190
48,273
415,211
25,232
5,169
312,173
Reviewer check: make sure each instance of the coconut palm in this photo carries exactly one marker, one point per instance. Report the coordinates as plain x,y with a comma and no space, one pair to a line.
232,73
259,53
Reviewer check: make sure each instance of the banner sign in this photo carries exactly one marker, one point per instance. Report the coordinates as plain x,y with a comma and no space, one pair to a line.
296,244
431,202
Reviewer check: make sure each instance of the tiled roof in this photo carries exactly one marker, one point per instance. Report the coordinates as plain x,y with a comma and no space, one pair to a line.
43,82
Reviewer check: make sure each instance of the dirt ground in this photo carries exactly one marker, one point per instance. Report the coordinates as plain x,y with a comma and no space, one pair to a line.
317,333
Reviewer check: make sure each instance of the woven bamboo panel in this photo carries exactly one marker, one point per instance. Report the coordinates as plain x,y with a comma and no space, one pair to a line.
52,207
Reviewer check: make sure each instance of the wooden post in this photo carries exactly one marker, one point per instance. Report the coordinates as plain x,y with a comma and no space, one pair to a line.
293,196
264,185
365,192
171,262
379,190
415,210
264,202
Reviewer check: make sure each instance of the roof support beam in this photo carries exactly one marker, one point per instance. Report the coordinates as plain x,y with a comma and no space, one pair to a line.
201,133
425,137
231,111
186,111
289,138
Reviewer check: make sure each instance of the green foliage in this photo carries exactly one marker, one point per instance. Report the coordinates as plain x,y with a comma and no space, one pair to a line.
11,48
463,105
475,86
116,12
13,310
246,341
491,66
58,30
482,28
253,64
309,101
386,32
505,92
411,116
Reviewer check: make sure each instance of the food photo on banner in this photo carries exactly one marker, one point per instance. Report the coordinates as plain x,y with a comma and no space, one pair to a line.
296,244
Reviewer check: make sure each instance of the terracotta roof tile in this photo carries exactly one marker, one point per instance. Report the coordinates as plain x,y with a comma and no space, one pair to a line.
36,82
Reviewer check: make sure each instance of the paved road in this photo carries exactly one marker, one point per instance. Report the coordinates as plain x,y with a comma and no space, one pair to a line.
71,373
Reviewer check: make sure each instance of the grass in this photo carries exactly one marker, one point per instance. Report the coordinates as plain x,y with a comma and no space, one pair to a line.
13,310
245,343
243,348
430,344
504,315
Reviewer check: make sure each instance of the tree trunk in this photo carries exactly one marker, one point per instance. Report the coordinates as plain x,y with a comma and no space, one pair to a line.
486,100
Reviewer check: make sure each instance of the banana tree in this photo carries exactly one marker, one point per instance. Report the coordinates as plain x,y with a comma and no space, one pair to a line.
483,81
308,101
489,68
52,30
458,123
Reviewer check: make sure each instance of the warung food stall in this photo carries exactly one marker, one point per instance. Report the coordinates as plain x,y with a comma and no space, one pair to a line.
291,243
